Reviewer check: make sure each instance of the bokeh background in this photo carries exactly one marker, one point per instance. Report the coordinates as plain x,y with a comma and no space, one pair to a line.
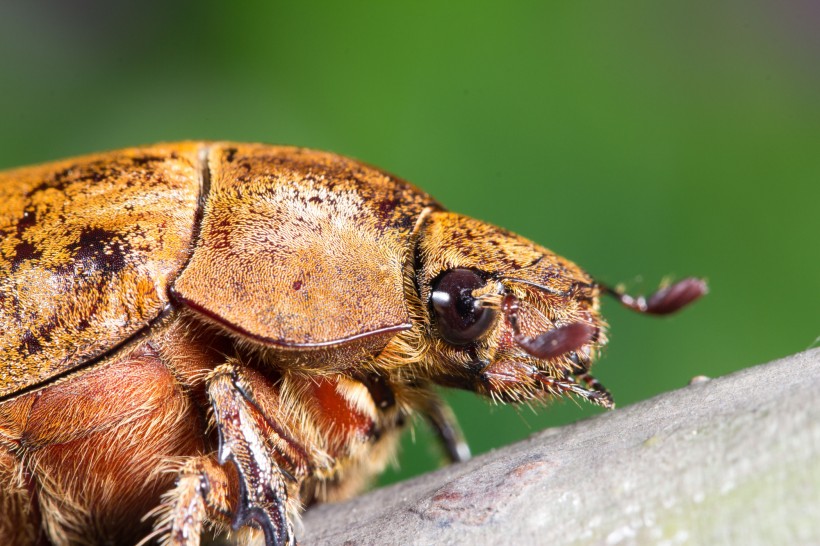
640,139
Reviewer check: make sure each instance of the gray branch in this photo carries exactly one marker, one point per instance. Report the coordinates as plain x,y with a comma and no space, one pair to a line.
734,460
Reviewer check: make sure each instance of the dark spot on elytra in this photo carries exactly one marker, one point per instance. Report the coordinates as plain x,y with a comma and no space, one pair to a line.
101,249
24,251
245,166
230,154
29,344
63,271
387,206
144,161
63,175
54,184
46,329
297,285
407,221
28,220
92,172
94,176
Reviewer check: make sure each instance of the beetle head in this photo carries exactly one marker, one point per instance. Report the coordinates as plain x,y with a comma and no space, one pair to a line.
507,318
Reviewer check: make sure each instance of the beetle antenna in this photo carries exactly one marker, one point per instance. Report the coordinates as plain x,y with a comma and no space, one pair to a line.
665,301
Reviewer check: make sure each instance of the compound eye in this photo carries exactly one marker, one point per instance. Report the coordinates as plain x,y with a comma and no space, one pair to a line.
460,317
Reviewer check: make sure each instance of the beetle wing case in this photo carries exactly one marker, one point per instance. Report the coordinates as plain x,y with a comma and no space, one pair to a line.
316,245
88,247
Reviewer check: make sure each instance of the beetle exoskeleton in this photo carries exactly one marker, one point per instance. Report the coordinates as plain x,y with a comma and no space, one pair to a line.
212,335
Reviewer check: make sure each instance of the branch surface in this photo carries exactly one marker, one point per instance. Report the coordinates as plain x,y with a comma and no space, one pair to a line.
733,460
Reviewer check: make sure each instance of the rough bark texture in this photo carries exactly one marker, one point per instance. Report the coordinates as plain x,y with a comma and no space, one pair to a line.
734,460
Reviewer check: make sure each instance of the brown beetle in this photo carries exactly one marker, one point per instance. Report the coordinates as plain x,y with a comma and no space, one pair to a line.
167,310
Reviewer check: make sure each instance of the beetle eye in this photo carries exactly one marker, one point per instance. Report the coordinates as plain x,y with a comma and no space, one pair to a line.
461,317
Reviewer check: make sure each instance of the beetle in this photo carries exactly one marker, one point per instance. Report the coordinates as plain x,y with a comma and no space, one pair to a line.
209,336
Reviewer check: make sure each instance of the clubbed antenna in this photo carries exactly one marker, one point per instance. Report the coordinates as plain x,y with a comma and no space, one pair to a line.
666,300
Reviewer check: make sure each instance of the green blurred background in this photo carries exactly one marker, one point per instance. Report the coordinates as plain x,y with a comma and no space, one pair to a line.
640,139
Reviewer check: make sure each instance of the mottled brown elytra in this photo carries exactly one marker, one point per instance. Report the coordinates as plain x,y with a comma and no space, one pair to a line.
210,336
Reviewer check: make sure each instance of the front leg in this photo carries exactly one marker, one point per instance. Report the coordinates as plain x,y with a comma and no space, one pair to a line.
514,381
251,442
257,492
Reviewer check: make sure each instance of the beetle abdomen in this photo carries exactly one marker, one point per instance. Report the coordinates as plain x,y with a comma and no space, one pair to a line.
87,249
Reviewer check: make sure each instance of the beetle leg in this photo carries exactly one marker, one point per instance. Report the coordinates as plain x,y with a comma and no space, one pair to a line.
243,434
592,383
201,491
443,420
595,393
580,371
517,381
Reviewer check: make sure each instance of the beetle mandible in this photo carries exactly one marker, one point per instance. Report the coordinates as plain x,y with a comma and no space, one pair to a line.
208,335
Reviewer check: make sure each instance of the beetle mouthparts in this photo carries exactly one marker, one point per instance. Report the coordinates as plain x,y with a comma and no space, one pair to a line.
666,300
557,341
